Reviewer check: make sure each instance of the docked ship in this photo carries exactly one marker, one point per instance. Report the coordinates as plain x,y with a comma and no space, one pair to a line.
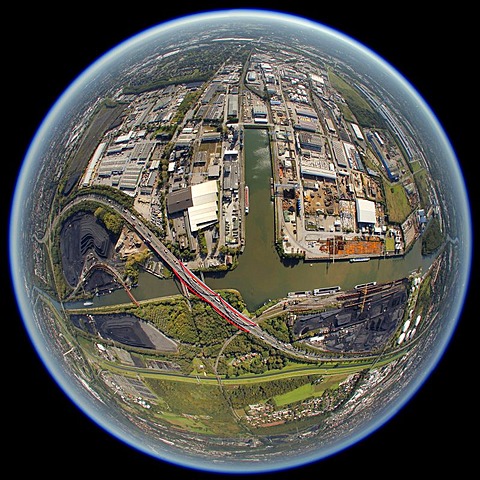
365,285
359,259
246,199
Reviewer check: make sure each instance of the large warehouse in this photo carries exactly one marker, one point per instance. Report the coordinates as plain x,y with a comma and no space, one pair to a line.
200,201
204,211
365,213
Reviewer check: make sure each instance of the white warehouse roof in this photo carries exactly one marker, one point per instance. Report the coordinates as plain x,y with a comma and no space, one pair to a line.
204,192
204,211
202,215
366,211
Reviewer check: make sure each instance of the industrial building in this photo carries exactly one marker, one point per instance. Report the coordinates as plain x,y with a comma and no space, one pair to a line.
231,176
317,167
389,166
330,126
305,111
209,93
358,132
141,151
199,201
232,109
213,172
366,216
310,141
212,113
211,137
112,165
131,176
306,123
339,153
179,200
121,164
204,211
97,155
184,140
259,111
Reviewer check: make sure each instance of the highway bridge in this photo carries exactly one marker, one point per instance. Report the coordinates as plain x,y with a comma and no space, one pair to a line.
187,278
191,283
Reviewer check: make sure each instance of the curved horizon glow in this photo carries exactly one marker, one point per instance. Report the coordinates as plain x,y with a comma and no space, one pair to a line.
33,156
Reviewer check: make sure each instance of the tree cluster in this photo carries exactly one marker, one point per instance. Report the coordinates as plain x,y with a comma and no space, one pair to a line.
277,327
193,323
131,270
432,238
112,221
248,394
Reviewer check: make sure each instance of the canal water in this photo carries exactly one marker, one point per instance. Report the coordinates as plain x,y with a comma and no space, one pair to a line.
260,274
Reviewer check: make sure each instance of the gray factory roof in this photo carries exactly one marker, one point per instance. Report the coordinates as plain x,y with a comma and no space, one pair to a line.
259,110
230,175
179,201
142,150
232,105
214,171
131,176
339,153
310,141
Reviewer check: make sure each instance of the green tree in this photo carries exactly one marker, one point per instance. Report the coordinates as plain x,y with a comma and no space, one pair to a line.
432,237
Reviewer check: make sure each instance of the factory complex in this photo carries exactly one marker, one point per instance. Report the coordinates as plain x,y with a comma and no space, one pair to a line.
343,188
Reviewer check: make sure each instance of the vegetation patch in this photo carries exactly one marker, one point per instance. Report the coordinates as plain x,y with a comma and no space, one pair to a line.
432,238
422,180
297,395
362,110
111,220
243,395
313,389
398,206
190,403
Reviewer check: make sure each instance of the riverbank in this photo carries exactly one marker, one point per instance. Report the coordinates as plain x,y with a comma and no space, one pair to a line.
261,275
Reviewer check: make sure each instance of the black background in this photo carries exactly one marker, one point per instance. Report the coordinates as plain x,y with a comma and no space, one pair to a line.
51,46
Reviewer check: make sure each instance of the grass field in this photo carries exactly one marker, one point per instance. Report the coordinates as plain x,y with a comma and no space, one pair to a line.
197,407
357,104
190,423
389,244
309,390
297,395
398,206
421,178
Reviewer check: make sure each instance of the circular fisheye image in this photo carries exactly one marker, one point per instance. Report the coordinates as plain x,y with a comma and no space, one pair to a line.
249,243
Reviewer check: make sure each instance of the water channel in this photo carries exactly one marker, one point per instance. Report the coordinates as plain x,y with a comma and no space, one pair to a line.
261,275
